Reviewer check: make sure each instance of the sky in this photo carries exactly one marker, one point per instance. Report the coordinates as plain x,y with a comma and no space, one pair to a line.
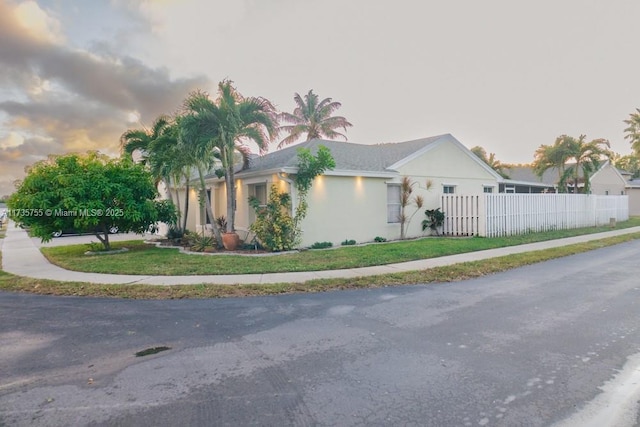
506,75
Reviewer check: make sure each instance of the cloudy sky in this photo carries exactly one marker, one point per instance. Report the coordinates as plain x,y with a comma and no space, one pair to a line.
506,75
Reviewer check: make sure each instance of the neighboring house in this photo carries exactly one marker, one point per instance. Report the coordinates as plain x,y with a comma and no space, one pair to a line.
360,198
607,180
633,190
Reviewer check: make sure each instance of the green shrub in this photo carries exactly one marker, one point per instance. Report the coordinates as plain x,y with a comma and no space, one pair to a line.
435,219
200,242
349,242
321,245
274,227
379,239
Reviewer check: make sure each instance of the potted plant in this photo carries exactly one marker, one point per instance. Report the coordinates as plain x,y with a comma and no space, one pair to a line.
230,240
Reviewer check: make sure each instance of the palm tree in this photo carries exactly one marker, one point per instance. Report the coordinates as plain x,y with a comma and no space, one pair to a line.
312,118
219,129
587,157
633,131
167,159
553,156
490,160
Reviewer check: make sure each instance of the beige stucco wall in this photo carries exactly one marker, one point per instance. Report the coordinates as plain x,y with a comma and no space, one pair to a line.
355,207
634,201
343,208
607,181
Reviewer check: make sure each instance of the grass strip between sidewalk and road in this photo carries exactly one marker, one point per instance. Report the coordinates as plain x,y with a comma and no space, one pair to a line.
145,259
467,270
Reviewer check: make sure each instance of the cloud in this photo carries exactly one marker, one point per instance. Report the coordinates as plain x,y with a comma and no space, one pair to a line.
60,99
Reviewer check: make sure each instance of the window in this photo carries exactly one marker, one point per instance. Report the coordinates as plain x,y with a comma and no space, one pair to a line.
487,189
606,192
393,203
259,191
448,189
509,189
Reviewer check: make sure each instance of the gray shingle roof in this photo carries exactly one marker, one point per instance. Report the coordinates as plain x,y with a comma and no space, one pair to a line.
348,156
526,173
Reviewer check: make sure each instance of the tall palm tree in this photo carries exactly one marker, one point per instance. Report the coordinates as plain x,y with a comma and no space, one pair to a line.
312,118
633,131
159,151
219,129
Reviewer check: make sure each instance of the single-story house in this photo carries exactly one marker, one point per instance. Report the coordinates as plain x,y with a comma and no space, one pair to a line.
360,198
607,180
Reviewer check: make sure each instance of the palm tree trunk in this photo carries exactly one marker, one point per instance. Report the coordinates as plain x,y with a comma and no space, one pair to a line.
186,207
207,201
178,206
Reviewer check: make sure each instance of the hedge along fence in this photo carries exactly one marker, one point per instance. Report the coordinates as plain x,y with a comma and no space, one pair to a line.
494,215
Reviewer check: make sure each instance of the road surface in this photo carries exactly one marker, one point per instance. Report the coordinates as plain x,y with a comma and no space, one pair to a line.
556,342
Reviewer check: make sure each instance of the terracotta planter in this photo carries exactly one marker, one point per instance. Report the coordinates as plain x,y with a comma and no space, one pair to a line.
230,241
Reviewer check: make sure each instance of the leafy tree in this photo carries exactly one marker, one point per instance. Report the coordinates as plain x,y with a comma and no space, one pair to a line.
633,130
629,163
88,192
312,118
219,129
490,160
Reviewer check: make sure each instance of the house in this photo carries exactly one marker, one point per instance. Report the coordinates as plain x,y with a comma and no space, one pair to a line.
607,180
360,198
633,190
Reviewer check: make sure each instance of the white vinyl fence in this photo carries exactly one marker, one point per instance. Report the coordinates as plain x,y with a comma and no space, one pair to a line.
493,215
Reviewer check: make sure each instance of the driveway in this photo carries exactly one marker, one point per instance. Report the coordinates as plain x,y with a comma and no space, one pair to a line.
528,347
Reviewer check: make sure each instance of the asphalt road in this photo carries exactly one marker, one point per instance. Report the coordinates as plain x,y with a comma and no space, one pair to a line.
529,347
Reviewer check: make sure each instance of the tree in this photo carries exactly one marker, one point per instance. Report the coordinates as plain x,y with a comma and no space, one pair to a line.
587,156
633,130
553,156
312,118
490,160
572,157
159,151
88,192
629,163
219,129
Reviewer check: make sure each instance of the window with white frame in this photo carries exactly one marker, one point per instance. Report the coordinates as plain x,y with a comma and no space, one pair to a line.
487,189
259,191
393,203
448,189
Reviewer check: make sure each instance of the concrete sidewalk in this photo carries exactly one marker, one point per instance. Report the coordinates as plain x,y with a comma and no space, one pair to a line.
20,256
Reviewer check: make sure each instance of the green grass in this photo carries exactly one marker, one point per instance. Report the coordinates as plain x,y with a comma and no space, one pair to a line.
148,260
9,282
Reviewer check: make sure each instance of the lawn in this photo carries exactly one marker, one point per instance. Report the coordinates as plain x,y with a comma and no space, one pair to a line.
149,260
467,270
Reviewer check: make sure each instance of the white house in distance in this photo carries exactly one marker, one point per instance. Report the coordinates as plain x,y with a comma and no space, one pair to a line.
360,198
